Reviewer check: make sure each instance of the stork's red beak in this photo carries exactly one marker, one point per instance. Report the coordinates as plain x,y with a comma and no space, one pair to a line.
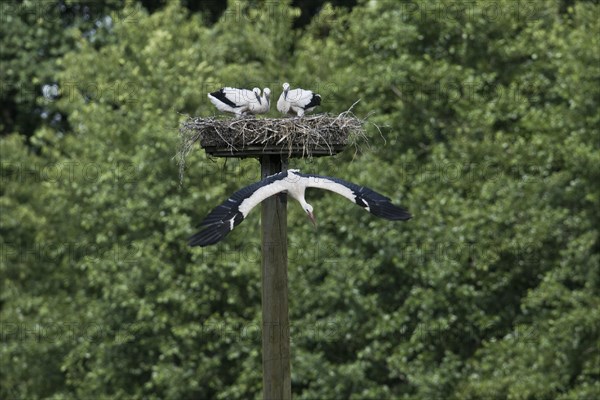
311,216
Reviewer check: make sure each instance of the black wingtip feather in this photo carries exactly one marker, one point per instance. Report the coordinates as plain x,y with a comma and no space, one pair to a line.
209,235
220,95
389,211
314,101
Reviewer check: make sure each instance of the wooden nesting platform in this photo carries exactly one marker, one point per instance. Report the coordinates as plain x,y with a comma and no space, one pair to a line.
309,136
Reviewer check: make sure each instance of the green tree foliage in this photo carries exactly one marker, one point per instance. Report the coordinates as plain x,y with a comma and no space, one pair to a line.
489,121
35,35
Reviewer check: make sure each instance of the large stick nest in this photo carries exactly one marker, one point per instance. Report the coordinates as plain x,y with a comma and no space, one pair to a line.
308,136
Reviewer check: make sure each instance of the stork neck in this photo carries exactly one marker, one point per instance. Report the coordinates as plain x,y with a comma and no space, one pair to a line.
302,202
298,194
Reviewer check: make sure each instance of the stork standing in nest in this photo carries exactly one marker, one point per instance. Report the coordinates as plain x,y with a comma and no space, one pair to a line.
298,101
241,101
236,208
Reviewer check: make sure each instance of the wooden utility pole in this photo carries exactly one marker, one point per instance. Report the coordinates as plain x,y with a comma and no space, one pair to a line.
277,384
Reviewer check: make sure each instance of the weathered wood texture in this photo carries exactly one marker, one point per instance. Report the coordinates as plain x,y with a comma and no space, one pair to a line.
275,320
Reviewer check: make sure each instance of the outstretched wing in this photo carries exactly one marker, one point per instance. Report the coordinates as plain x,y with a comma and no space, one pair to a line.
220,221
376,203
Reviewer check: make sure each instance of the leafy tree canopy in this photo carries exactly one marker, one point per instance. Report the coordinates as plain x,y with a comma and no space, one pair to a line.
487,132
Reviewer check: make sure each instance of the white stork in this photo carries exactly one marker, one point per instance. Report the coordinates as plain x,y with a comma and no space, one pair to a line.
241,101
297,101
236,208
264,103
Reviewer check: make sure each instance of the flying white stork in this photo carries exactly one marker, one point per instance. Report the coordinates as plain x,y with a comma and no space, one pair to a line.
297,101
220,221
241,101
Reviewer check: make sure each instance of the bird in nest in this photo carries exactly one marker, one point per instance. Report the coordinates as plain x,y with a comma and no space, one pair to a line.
297,101
241,101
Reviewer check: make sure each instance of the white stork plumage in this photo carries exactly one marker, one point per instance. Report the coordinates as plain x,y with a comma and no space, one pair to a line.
263,105
220,221
241,101
298,101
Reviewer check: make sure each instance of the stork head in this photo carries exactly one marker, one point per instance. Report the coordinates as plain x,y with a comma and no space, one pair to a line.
309,211
256,92
267,93
286,88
